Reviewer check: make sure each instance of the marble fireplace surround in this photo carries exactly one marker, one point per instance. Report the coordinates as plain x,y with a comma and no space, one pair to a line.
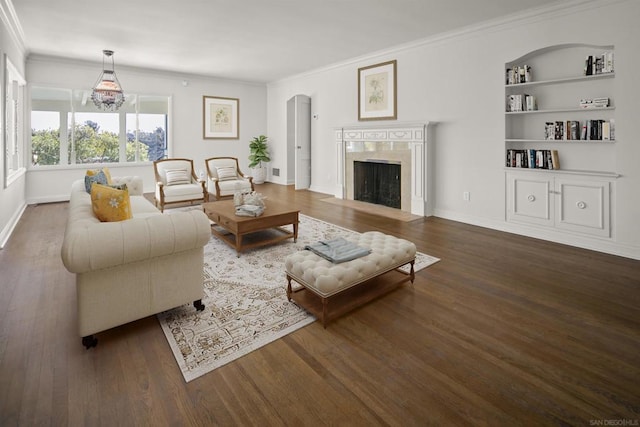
408,144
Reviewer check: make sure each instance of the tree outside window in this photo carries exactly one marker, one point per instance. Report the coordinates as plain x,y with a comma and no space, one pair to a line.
95,137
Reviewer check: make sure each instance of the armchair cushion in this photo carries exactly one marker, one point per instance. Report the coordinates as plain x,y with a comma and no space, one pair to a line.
226,173
176,193
178,176
110,204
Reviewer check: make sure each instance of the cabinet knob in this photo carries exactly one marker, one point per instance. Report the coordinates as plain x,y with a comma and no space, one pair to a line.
581,205
531,198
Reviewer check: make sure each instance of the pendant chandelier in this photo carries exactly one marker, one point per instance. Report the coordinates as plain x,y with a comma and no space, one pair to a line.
107,93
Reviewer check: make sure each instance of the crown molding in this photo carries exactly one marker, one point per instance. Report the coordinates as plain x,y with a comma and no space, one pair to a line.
499,24
91,65
12,23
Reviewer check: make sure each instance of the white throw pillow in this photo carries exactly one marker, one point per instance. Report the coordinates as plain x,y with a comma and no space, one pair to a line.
178,176
226,173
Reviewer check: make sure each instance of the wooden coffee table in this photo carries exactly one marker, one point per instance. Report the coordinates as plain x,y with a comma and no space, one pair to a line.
244,232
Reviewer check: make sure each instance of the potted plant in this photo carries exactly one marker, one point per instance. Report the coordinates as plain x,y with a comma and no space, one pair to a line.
258,154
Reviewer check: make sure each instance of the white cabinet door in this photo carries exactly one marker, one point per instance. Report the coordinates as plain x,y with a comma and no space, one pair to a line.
529,198
583,206
580,204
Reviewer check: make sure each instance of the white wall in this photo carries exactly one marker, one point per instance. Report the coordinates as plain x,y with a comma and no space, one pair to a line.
457,80
185,129
12,196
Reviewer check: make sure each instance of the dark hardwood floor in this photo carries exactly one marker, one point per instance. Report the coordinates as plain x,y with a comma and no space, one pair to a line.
505,330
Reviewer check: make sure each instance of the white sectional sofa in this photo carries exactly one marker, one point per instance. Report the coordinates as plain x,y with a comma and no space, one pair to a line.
135,268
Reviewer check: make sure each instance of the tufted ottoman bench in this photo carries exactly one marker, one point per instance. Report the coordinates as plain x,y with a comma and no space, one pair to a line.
349,284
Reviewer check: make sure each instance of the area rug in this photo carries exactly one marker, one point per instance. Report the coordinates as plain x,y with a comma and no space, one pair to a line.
245,300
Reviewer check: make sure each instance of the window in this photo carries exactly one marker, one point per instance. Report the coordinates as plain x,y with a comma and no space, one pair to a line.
147,130
137,132
13,122
45,138
94,138
49,114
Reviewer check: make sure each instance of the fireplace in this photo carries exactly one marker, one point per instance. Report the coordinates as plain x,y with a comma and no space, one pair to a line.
378,182
406,147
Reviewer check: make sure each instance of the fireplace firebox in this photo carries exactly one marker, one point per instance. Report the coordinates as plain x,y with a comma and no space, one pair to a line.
377,181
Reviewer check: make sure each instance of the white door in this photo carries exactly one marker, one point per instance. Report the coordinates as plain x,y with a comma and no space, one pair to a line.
302,140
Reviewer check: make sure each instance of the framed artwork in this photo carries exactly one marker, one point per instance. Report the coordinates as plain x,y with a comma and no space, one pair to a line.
377,92
221,117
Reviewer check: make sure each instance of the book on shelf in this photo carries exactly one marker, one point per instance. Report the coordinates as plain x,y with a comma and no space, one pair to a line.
594,103
541,159
606,131
608,64
612,133
549,131
597,129
598,64
532,159
559,130
521,102
514,103
600,130
555,159
574,130
517,74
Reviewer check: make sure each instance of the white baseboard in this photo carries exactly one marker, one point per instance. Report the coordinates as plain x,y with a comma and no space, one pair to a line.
11,225
608,246
317,189
48,199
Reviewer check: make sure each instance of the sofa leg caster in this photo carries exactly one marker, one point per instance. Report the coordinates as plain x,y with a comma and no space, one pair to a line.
198,305
89,341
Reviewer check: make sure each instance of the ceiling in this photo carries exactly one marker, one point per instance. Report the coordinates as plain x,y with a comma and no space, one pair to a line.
250,40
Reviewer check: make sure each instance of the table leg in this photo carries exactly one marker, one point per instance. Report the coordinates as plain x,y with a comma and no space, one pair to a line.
288,287
238,244
324,312
295,232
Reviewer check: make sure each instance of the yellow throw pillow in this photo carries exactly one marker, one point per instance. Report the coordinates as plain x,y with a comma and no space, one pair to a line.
110,204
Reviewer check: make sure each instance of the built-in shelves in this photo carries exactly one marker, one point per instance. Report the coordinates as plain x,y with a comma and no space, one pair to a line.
555,94
560,157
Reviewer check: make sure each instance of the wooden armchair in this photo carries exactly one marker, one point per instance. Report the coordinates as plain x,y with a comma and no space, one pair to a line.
224,177
176,182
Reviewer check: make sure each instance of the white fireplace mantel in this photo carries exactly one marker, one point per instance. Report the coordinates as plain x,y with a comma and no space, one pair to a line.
388,141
